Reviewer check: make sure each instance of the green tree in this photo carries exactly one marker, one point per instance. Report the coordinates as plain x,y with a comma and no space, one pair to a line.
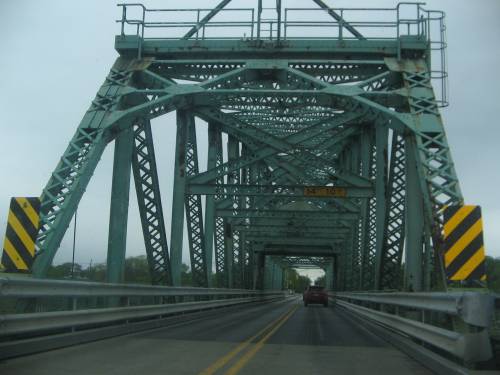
493,273
63,271
95,272
186,276
137,270
295,281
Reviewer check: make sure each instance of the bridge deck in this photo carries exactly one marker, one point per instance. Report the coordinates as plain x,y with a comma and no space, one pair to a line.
277,338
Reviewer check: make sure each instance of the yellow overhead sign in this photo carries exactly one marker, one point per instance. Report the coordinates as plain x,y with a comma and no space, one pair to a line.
325,191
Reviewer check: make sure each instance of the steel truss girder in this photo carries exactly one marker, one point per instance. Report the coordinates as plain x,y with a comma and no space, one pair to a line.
67,184
316,249
293,232
302,241
329,71
296,90
150,208
302,261
326,215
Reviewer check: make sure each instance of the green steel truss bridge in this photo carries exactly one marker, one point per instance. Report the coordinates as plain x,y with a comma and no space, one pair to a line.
326,149
336,153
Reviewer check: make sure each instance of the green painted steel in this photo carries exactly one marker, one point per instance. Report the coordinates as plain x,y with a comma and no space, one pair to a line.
117,238
336,153
147,186
177,222
389,267
194,214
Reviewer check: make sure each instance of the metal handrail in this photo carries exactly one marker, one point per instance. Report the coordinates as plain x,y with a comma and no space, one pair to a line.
48,322
473,308
397,21
27,288
393,24
470,342
149,302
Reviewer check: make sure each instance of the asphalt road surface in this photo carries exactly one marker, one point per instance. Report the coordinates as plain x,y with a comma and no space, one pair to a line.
278,338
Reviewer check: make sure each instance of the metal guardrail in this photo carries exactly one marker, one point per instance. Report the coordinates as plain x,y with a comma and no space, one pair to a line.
406,18
72,317
27,287
408,315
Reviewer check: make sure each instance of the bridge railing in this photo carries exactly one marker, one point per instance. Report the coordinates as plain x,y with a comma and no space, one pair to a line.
407,18
406,21
454,323
57,306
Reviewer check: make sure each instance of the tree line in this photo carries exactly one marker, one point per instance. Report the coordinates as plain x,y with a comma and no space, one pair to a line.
137,271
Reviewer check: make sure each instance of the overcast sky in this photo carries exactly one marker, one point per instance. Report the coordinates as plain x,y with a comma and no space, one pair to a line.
56,54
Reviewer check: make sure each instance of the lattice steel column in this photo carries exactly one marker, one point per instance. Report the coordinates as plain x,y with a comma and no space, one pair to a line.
150,208
233,245
221,258
194,213
437,177
368,220
394,237
210,200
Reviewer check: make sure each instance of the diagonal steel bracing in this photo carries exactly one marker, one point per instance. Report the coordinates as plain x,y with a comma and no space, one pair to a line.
147,186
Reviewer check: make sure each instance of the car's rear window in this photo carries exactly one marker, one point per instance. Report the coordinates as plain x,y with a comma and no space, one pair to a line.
316,288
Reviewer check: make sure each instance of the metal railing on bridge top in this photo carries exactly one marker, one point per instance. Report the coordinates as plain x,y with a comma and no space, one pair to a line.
454,323
60,306
406,19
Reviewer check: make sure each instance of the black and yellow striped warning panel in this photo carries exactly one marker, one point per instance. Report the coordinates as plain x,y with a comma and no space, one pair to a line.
463,243
20,237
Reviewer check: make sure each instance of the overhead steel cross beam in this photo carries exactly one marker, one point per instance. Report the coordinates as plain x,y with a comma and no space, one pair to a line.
288,214
205,19
302,191
271,145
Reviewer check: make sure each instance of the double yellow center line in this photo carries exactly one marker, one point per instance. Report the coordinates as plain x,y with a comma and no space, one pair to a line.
233,370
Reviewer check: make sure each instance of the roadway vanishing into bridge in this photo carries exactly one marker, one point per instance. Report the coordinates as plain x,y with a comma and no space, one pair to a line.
282,337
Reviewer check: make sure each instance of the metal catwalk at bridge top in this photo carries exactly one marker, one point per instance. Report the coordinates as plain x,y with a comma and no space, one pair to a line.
336,154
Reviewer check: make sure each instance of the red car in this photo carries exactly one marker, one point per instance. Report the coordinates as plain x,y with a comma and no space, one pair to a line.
315,294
